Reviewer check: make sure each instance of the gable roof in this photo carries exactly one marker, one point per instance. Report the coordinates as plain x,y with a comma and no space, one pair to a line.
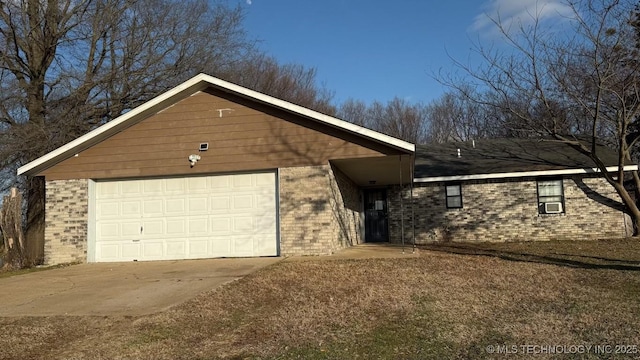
198,83
504,158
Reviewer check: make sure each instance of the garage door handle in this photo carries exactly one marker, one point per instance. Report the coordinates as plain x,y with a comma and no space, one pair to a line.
136,240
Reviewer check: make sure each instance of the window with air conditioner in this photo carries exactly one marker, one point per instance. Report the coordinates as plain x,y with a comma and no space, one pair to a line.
550,197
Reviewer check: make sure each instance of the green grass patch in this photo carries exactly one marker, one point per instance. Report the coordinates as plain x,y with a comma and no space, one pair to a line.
10,273
391,340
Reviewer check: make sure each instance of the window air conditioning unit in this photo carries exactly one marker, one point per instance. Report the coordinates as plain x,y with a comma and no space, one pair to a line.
553,207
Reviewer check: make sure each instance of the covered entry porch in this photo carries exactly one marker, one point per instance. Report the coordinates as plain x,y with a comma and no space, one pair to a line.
375,177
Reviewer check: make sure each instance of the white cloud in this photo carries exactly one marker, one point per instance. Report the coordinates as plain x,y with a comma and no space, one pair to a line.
249,2
515,13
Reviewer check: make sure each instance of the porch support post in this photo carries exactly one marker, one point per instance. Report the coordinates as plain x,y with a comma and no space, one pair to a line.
401,207
413,204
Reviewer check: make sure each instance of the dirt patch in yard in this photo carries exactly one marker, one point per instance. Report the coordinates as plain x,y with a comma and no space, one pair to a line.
442,304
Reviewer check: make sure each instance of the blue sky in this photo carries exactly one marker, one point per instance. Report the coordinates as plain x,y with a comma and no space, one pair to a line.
376,50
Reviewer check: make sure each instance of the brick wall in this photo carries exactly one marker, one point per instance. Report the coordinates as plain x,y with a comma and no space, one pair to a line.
506,210
66,221
346,200
319,211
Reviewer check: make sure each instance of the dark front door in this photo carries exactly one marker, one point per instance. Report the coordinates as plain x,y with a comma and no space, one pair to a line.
375,216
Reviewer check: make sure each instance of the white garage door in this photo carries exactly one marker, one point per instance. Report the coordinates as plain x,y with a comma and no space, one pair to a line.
186,218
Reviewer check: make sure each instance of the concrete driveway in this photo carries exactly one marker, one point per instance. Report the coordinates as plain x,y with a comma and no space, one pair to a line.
132,288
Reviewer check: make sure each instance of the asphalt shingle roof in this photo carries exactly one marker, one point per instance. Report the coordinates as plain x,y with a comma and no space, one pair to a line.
493,156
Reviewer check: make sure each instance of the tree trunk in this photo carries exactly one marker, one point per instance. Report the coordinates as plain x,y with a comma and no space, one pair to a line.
630,205
11,224
35,220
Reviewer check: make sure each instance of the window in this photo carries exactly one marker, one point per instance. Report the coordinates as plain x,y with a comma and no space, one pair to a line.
550,197
454,196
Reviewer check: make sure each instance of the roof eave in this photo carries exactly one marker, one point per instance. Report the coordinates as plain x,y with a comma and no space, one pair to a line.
521,174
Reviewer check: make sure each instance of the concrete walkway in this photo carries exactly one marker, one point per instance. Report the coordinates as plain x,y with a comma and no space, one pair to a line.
131,288
366,251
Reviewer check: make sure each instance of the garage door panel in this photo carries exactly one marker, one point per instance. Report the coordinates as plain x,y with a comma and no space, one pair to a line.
220,183
108,252
177,248
152,227
198,248
243,224
131,229
221,246
243,245
131,208
108,209
191,217
109,190
175,206
243,181
198,226
108,231
176,226
265,224
242,202
263,244
198,205
131,187
153,187
220,225
130,250
174,185
153,207
264,179
154,248
197,184
265,201
220,203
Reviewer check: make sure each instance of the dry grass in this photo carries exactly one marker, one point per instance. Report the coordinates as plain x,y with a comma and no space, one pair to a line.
6,272
451,302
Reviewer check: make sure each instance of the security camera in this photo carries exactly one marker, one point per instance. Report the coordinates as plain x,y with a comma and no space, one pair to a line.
193,159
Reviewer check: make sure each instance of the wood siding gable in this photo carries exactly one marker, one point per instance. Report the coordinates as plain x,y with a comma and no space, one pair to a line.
243,135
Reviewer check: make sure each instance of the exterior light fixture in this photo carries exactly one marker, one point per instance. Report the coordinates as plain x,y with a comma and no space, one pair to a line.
193,159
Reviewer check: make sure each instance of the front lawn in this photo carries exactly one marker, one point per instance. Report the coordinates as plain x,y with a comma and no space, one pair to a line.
454,301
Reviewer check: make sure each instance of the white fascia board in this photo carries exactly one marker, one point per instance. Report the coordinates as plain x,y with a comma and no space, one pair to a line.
200,82
521,174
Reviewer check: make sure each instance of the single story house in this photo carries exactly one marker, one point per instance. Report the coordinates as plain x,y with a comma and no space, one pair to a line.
213,169
510,190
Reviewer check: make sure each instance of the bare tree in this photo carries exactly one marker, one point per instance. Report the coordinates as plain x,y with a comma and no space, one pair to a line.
455,117
292,82
571,86
397,118
403,120
67,66
354,111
